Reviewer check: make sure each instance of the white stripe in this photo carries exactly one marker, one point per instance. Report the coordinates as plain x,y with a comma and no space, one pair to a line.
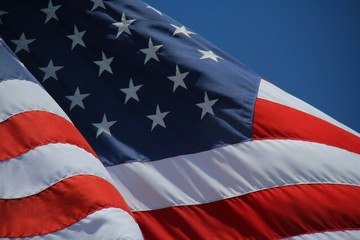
18,96
105,224
272,93
44,166
337,235
232,171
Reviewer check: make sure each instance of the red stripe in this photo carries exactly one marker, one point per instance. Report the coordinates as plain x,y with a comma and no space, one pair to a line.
276,121
58,207
28,130
269,214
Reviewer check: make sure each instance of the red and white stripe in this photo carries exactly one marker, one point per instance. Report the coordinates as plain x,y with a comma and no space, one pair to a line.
108,223
299,176
52,186
336,235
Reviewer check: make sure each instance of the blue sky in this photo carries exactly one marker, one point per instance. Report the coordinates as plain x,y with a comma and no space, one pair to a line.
310,49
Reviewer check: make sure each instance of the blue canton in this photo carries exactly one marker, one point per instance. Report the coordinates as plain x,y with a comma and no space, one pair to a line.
138,85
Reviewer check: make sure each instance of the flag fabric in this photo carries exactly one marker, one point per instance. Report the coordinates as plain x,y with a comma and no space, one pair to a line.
199,146
52,184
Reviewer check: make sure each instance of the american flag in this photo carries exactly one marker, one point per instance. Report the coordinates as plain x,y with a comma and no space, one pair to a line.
199,146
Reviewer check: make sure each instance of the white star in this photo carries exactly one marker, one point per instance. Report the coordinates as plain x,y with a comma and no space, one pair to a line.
206,106
50,11
2,13
182,30
97,3
154,9
158,118
131,91
123,26
151,51
178,79
104,64
77,99
104,126
77,38
209,54
22,43
50,71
